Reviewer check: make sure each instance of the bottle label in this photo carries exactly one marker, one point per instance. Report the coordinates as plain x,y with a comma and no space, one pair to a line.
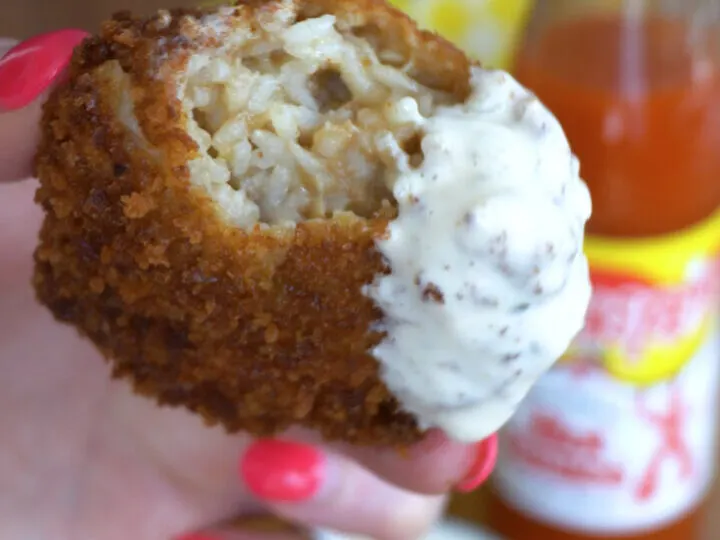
486,29
620,436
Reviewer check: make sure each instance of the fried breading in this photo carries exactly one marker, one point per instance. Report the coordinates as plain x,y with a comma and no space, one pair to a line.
257,328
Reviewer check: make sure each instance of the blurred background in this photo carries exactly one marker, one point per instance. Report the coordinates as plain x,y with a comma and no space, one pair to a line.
491,30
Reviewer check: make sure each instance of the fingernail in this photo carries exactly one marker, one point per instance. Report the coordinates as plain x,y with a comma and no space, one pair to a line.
283,471
196,537
482,467
30,67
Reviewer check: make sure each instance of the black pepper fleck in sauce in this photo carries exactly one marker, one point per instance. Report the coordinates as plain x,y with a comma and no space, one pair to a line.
432,293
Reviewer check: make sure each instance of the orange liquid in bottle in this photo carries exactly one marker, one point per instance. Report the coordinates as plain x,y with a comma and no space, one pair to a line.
647,132
647,135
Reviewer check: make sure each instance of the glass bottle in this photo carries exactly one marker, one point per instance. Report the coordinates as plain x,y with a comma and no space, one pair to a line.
486,29
617,441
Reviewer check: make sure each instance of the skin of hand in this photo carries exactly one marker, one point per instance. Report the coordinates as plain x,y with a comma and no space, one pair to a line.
83,458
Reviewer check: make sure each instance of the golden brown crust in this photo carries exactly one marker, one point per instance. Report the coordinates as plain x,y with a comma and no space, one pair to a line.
257,330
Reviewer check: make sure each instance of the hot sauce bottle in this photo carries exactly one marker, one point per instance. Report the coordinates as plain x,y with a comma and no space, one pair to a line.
618,440
485,29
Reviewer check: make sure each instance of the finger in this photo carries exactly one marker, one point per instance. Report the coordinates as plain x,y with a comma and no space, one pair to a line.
252,528
27,70
243,535
435,465
320,488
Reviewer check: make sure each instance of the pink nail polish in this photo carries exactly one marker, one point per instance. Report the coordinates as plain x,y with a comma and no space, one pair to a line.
482,467
283,471
30,67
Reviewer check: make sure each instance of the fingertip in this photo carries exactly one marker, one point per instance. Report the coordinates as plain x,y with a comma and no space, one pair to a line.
281,471
483,466
430,467
28,68
27,71
344,496
434,466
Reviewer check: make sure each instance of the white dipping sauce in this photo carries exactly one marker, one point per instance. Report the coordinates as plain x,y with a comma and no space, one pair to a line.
488,282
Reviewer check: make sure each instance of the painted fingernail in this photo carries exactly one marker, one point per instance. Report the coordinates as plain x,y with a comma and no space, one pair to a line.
486,457
283,471
30,67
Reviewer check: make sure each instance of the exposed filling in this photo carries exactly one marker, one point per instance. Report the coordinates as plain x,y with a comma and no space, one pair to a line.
297,121
488,283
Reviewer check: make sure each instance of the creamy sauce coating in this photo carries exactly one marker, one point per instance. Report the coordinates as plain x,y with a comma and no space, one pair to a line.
488,282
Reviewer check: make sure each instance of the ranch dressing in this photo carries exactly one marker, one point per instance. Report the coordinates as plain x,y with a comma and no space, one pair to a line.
488,282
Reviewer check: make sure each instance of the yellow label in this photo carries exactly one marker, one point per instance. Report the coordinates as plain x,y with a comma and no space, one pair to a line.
654,303
486,29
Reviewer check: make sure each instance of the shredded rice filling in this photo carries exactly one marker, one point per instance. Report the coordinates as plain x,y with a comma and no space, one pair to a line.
298,121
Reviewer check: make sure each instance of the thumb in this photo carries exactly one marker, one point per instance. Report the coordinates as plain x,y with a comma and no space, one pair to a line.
27,70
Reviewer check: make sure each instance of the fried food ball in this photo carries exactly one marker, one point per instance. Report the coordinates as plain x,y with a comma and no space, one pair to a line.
213,193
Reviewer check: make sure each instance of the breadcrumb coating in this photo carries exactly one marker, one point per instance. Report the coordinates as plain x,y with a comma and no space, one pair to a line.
256,329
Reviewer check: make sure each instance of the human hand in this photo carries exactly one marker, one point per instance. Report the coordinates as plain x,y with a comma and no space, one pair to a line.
84,458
